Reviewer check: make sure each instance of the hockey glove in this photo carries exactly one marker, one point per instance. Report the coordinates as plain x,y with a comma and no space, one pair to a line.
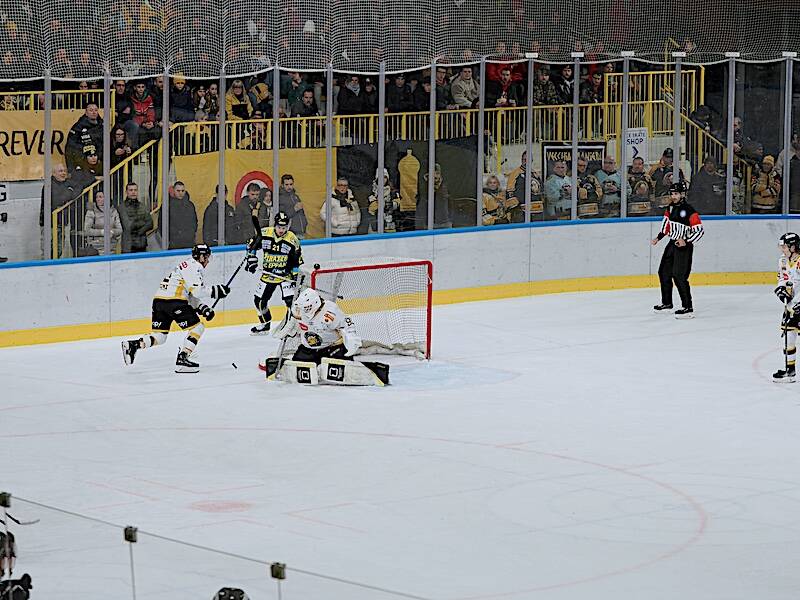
206,312
287,328
783,294
251,266
220,291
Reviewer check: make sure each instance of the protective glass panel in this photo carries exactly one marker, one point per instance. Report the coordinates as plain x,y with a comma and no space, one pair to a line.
23,218
456,162
703,156
793,158
302,151
355,155
552,182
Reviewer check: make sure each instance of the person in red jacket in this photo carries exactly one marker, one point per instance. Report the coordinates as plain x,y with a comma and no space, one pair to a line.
144,115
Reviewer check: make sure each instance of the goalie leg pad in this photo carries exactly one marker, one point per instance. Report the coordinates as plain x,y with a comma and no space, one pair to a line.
349,372
292,371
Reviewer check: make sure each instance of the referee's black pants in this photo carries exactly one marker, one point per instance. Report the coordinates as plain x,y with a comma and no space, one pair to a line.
676,265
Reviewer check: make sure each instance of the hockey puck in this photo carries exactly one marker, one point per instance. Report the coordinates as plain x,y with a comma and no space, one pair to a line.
234,365
316,266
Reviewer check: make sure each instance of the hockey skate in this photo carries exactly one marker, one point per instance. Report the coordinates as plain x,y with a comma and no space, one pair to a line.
129,349
662,308
184,365
784,376
262,329
684,313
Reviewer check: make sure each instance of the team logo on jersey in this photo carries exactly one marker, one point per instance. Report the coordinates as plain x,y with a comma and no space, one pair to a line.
285,248
313,340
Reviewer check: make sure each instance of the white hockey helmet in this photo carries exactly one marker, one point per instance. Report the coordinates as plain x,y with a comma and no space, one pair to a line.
308,301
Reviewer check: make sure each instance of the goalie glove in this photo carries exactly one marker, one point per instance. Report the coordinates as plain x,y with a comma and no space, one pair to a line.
352,343
206,312
220,291
783,293
287,328
251,266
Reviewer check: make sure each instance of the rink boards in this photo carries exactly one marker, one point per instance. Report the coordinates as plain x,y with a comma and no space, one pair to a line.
73,299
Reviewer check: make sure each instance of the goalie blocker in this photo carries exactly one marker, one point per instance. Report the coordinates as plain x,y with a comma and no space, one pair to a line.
334,371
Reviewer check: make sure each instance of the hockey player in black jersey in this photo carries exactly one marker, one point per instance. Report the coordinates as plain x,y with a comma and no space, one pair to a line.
683,227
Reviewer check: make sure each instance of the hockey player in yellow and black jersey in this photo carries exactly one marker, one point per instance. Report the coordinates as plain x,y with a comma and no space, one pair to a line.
182,298
282,257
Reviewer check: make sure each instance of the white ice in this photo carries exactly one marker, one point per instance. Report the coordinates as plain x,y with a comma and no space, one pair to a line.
558,447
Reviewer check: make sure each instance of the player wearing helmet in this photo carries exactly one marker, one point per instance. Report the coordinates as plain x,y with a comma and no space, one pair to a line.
182,298
788,282
281,260
683,227
325,331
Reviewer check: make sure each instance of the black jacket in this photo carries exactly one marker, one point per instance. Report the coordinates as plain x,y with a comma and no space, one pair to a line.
62,192
399,99
182,222
84,133
350,103
233,234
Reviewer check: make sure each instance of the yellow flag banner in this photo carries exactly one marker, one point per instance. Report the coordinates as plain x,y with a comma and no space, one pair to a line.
22,143
242,167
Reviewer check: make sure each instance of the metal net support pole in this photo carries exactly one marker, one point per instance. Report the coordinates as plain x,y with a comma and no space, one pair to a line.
531,56
626,75
787,127
223,144
731,56
276,142
676,116
481,163
381,144
431,149
107,160
47,210
328,147
165,150
576,117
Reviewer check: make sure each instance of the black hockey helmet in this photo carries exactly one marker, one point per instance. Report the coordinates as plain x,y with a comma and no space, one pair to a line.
679,187
790,239
201,250
282,219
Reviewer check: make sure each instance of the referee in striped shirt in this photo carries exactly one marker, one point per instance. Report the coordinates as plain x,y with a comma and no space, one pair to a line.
682,225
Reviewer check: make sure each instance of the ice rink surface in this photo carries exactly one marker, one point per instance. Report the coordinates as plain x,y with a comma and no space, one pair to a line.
558,447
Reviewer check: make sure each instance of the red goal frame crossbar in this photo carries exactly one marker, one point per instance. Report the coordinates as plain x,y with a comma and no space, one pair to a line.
372,267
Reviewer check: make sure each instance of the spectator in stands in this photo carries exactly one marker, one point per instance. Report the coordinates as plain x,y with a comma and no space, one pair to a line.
350,100
444,97
661,175
62,193
611,181
182,217
237,102
398,95
293,88
261,99
391,205
212,101
94,224
504,93
707,189
305,106
157,93
564,82
495,205
544,90
739,138
345,211
290,203
370,96
442,209
591,90
123,108
636,173
766,187
558,192
515,190
136,221
144,116
256,135
794,171
200,103
88,130
181,103
465,89
121,147
87,171
422,96
590,192
233,233
255,196
640,201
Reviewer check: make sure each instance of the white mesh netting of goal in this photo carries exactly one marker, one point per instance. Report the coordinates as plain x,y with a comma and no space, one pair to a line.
389,300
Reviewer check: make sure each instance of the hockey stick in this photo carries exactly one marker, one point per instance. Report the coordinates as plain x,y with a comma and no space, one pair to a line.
18,522
252,244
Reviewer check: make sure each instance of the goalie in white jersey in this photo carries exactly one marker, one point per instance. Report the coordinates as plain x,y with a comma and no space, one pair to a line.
324,330
183,298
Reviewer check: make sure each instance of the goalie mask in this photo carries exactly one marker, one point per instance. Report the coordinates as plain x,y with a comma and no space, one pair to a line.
308,302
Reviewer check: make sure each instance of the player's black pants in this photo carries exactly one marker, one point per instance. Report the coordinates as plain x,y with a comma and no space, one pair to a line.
676,265
305,354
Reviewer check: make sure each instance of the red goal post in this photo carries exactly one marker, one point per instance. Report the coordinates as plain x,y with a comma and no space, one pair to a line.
389,300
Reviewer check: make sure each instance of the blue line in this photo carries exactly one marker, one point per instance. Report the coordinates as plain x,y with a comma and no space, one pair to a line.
386,236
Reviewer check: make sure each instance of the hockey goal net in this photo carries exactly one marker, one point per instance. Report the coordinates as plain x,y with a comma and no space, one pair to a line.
389,300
